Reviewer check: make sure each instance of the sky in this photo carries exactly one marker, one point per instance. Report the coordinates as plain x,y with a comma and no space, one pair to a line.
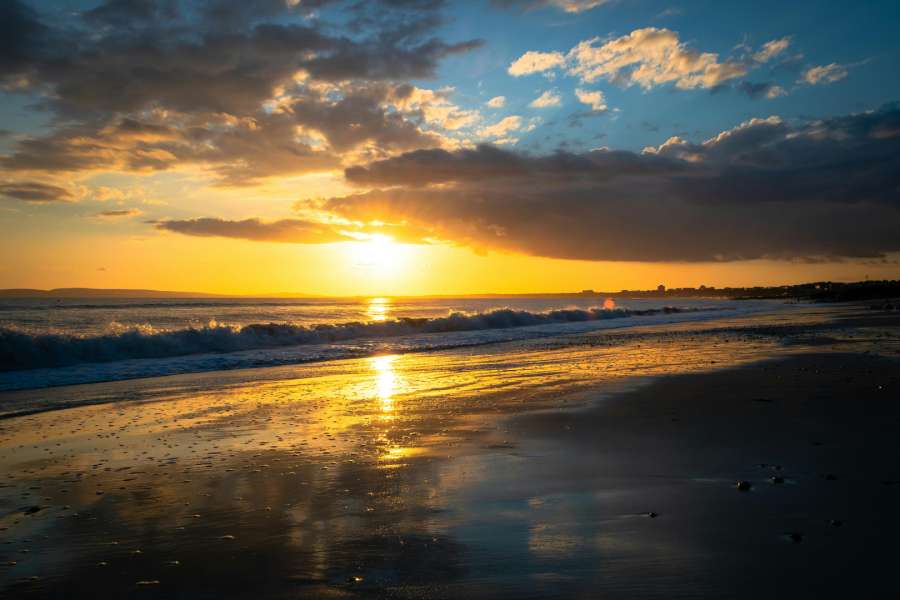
400,147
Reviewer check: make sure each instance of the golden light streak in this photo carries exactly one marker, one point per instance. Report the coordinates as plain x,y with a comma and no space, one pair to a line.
385,381
379,309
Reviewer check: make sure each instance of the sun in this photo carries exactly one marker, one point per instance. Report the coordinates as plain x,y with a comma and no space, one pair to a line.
380,255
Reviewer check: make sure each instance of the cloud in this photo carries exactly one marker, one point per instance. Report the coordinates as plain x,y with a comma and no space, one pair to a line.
187,62
593,98
673,11
569,6
434,107
824,74
771,49
243,91
295,231
36,192
535,62
650,57
501,128
316,130
497,102
646,57
292,231
761,90
764,189
118,214
547,99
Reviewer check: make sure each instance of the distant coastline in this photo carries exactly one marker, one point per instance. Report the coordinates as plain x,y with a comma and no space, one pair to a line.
822,291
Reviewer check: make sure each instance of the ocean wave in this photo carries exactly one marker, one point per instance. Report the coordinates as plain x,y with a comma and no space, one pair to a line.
21,350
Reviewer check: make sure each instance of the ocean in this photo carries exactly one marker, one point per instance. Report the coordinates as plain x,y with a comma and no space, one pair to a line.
50,342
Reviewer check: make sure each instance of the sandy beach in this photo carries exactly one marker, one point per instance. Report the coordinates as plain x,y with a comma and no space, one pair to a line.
599,465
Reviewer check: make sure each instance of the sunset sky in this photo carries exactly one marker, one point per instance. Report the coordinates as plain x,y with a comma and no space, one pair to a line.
428,147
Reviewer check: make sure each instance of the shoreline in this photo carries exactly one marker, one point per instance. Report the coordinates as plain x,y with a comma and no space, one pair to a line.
31,381
550,473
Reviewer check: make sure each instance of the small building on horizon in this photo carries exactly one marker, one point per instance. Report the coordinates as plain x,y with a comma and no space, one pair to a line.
661,289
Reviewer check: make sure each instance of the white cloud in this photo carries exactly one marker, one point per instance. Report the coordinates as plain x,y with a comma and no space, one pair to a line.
593,98
650,57
775,91
501,128
824,74
577,6
536,62
532,124
545,100
436,108
772,49
497,102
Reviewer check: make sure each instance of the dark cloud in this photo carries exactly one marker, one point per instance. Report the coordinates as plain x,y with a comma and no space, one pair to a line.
33,191
488,163
765,189
296,231
291,231
117,214
247,90
131,13
22,37
128,55
237,151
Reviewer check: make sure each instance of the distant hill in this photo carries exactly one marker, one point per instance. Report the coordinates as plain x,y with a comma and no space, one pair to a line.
101,293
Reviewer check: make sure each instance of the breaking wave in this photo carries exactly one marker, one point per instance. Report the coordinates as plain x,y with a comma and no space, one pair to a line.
22,350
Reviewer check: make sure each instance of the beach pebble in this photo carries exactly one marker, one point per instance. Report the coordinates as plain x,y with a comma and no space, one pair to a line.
743,486
776,479
227,537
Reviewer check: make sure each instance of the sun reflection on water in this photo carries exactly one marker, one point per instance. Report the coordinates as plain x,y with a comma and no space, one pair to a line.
379,309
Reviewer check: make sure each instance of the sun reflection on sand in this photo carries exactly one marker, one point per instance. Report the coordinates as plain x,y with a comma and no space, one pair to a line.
385,381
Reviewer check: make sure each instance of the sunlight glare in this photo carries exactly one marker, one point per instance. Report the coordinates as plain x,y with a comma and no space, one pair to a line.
378,309
381,255
385,381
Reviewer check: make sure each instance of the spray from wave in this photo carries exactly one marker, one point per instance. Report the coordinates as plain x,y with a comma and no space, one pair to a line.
21,350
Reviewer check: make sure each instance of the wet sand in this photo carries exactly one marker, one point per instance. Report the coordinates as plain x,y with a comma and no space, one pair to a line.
604,466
